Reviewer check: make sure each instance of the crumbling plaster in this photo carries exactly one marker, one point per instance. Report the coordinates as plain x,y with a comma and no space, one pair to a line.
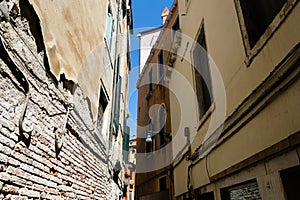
73,33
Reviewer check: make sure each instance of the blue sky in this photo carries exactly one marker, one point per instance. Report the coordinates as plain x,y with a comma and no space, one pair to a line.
146,15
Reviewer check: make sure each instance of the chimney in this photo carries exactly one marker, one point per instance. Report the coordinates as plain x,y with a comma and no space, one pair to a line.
165,14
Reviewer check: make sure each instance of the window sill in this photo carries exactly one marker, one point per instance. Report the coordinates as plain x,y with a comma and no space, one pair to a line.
206,116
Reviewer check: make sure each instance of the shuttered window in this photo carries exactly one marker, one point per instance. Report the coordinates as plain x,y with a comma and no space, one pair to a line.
118,102
109,29
162,124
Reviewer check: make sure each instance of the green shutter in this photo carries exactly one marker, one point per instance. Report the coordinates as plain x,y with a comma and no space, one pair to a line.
117,102
126,144
109,29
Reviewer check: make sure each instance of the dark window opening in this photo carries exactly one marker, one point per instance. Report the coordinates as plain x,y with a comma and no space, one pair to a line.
148,147
109,28
162,124
160,65
258,15
175,27
101,109
150,89
163,184
202,75
291,181
206,196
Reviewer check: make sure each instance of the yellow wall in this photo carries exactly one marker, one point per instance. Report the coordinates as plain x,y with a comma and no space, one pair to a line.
73,33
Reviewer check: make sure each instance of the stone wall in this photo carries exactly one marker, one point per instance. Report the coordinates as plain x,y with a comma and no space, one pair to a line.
30,165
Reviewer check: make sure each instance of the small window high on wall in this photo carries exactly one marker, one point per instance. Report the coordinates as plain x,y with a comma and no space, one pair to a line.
258,14
259,19
109,28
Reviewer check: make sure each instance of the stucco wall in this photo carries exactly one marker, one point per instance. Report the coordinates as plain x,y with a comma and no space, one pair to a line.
275,122
73,33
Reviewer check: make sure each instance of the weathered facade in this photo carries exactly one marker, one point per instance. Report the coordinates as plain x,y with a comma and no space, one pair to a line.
243,116
130,170
148,39
154,179
63,98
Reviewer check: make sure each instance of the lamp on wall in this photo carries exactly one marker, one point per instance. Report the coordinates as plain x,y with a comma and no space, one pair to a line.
149,136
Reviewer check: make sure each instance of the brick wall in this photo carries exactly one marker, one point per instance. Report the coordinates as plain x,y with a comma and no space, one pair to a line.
31,168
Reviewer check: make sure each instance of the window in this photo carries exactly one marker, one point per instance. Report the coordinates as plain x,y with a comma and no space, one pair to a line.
291,180
162,124
117,102
206,196
202,74
259,19
175,27
109,28
150,89
160,65
117,92
148,147
163,184
101,108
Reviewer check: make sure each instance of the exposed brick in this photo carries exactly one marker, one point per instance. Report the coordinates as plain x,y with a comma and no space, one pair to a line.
14,197
25,171
6,141
3,158
10,189
7,124
13,162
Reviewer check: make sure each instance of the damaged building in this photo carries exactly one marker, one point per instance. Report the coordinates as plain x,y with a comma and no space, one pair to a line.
63,98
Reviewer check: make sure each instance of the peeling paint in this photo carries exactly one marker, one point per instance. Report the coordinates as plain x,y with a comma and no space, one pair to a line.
72,30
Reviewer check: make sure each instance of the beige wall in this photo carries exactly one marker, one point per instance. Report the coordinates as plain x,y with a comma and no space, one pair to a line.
73,33
225,46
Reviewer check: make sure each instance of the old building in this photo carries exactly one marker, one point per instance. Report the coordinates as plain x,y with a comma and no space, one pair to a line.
130,170
235,106
154,153
147,41
63,98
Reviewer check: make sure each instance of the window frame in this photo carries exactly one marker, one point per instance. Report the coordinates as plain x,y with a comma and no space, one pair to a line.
162,131
150,77
103,98
201,119
159,183
273,26
173,29
109,31
160,65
